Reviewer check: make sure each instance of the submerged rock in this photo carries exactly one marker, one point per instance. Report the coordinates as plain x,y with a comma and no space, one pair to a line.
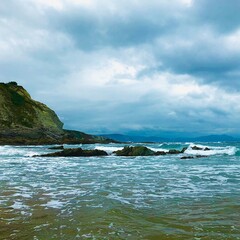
196,148
184,149
191,157
174,151
201,156
56,148
199,148
135,151
75,152
187,157
158,153
144,151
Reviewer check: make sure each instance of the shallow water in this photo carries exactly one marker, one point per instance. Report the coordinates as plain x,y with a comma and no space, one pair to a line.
161,197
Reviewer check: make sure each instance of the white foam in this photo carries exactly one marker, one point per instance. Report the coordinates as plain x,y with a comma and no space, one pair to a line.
16,151
229,150
108,149
31,154
53,204
159,149
19,205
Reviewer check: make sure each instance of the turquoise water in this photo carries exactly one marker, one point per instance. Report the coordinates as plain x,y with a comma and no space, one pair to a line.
160,197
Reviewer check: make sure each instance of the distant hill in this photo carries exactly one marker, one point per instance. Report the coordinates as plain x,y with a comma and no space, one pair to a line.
216,138
208,138
26,121
126,138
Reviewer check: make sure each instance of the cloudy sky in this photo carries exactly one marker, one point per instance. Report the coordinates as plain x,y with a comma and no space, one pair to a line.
108,66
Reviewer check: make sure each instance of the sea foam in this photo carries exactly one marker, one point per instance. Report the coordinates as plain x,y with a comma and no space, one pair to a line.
16,151
228,150
108,149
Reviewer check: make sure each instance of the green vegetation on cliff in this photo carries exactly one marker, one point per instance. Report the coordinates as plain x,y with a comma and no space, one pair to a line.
26,121
18,110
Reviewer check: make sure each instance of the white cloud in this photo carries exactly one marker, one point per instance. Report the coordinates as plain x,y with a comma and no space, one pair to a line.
123,64
56,4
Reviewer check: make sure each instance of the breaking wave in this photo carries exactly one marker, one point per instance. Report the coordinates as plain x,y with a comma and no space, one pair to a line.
197,149
10,151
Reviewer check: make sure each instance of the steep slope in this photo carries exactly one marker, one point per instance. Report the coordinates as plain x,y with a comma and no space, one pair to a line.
25,121
18,109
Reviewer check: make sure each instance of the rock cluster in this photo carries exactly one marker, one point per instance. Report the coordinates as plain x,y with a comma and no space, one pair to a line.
75,152
144,151
199,148
126,151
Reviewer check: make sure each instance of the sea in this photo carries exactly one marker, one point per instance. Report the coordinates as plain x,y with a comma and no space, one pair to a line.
112,197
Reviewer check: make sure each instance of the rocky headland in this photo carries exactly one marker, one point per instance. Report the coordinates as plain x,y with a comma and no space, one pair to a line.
24,121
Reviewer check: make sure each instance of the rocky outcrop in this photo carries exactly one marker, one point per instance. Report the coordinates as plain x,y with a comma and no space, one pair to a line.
144,151
135,151
158,153
24,121
191,157
75,152
199,148
57,148
126,151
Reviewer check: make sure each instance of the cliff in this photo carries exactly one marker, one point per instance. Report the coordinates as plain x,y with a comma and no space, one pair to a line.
26,121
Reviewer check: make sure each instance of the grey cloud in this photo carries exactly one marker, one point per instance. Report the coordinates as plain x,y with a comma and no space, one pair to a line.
207,60
220,14
91,32
178,39
140,27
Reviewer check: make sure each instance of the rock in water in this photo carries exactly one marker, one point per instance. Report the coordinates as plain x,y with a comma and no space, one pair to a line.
196,148
76,152
144,151
158,153
187,157
135,151
56,148
191,157
174,151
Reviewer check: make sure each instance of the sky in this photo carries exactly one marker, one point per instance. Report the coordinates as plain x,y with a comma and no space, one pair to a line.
128,66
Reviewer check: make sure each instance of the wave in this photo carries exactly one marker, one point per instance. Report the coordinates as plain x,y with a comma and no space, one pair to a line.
108,149
206,150
210,150
159,149
16,151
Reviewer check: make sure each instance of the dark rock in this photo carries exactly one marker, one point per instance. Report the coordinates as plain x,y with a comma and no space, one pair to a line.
199,148
160,153
201,156
184,149
191,157
57,148
174,151
135,151
196,148
75,152
187,157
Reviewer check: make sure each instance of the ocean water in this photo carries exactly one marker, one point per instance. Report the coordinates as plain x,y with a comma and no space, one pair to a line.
157,197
